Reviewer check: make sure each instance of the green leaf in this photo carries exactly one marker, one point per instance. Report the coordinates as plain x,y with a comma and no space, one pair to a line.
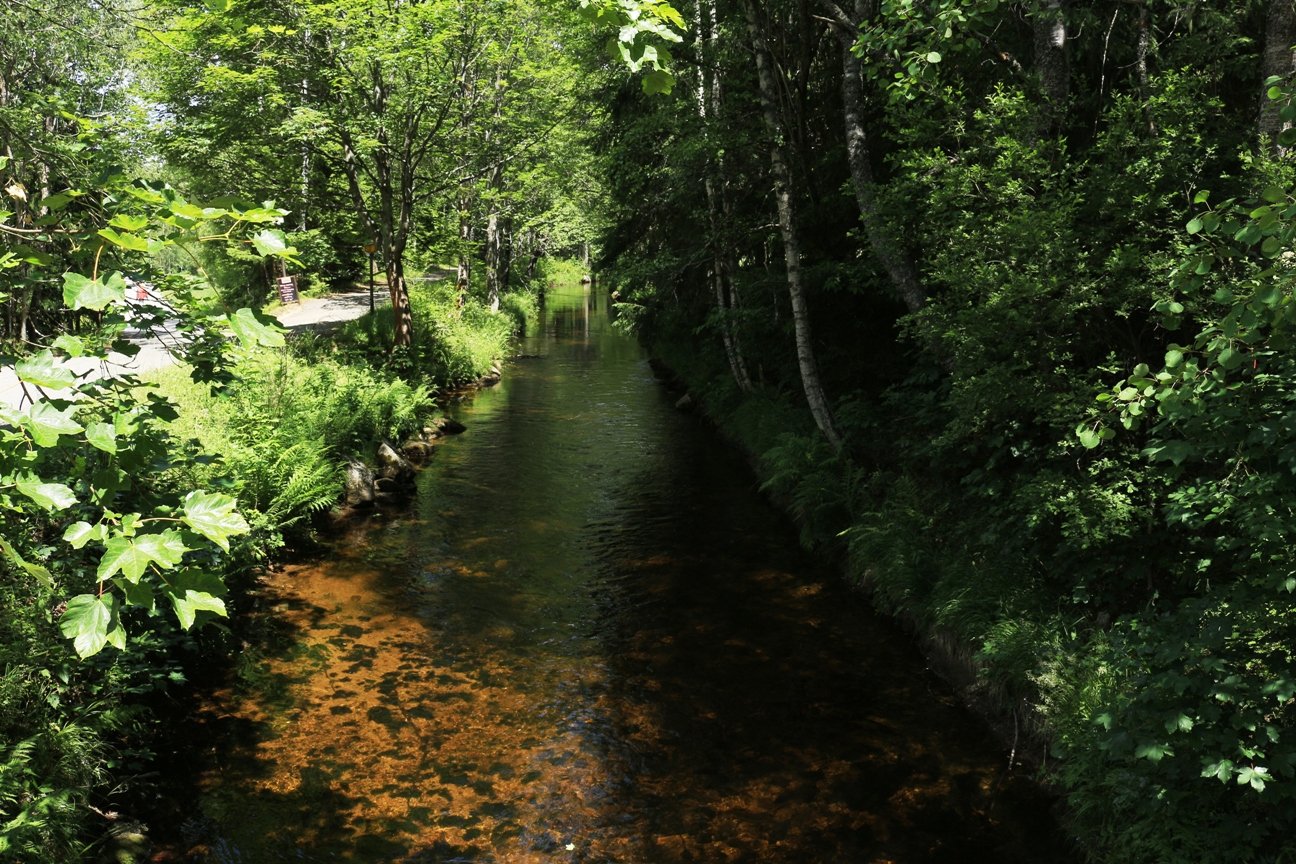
1229,358
1194,225
130,242
46,423
34,570
252,329
137,593
271,241
132,555
185,210
933,57
1153,752
102,436
193,592
86,620
80,292
133,224
78,534
1201,197
213,516
1255,776
187,606
48,496
1173,358
70,345
1220,770
1270,247
1274,194
45,370
658,81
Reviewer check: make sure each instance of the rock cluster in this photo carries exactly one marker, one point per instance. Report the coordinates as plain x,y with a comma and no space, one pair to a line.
392,478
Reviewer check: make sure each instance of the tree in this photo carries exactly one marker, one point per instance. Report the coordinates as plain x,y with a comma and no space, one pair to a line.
788,229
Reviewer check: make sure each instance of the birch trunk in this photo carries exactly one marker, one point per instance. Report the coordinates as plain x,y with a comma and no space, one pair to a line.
721,274
806,362
886,248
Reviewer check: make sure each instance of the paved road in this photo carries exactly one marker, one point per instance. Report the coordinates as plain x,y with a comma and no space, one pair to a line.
312,312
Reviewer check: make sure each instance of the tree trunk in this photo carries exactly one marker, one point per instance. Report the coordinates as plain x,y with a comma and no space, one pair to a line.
493,241
709,111
506,255
1052,62
1280,33
463,278
806,362
493,258
1141,67
886,248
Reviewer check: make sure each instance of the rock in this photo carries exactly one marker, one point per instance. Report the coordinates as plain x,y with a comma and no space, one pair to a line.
359,488
393,465
495,370
387,487
490,379
443,426
416,450
685,402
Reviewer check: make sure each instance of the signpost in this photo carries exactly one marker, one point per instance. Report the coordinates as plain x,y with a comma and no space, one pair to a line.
288,290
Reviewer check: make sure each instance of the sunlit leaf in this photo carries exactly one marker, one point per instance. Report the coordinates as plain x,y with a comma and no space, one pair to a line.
86,620
48,496
45,370
46,423
213,515
80,292
102,436
252,329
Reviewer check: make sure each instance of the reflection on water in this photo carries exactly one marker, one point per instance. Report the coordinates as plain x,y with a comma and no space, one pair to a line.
591,641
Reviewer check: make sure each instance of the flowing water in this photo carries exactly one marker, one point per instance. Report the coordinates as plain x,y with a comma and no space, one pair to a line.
591,640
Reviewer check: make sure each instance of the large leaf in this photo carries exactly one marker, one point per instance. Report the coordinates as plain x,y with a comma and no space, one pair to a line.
80,292
70,345
131,556
130,242
48,496
213,516
253,330
78,534
270,241
102,436
88,620
46,423
45,370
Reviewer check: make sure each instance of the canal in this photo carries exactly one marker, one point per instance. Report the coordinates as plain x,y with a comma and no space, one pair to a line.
590,639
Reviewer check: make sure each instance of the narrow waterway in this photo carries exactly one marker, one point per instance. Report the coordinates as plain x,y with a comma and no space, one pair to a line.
591,640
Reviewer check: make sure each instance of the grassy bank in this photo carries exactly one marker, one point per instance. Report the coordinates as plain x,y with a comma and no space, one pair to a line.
78,735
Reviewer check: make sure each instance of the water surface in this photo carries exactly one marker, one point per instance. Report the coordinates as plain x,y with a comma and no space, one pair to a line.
591,640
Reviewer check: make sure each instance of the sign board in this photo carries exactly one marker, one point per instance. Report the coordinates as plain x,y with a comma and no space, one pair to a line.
288,289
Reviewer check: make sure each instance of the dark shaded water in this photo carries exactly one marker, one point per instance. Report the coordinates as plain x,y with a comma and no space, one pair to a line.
592,641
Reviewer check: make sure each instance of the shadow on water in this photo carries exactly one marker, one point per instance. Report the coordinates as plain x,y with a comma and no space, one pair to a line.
590,640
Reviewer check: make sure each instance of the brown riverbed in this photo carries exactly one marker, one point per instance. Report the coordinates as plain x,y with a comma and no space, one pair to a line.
591,640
